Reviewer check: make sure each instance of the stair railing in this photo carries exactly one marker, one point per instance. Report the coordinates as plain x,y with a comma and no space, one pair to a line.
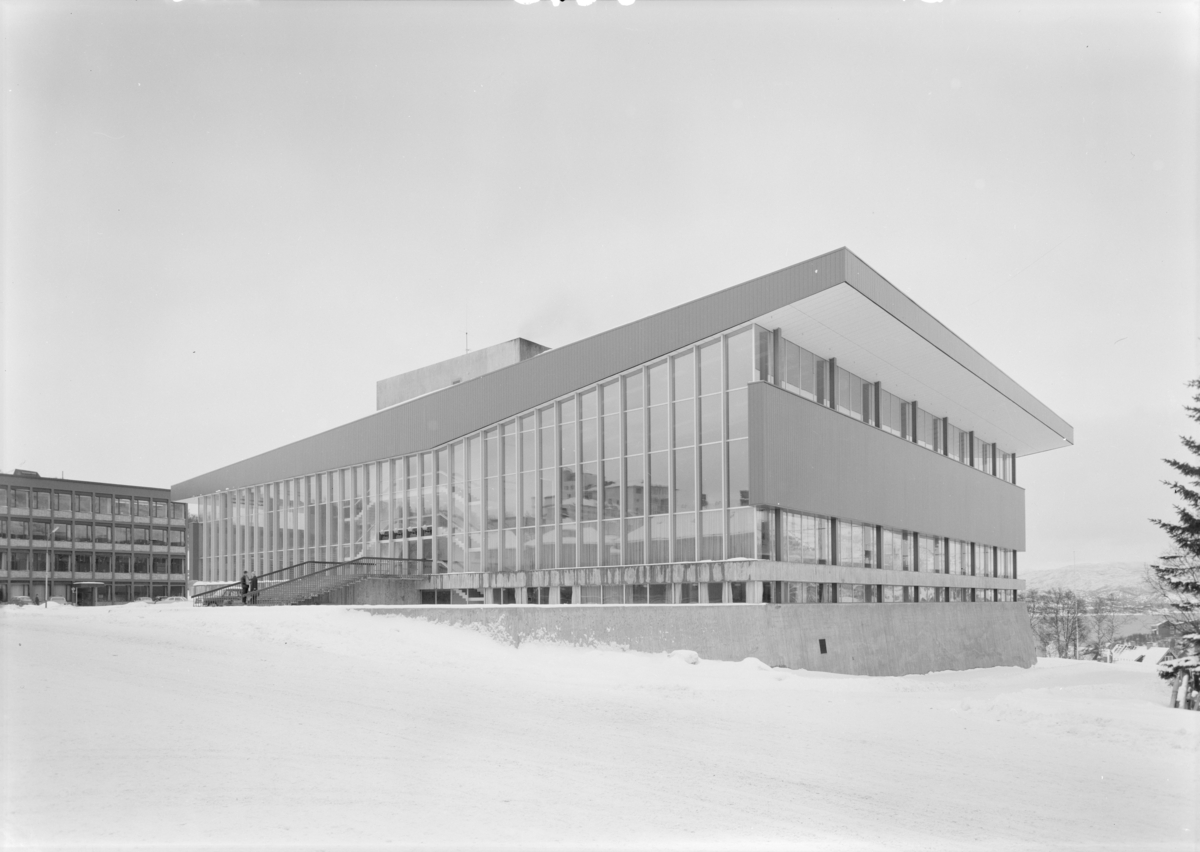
232,592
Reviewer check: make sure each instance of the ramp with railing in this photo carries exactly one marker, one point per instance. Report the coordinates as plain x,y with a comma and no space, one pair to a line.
308,580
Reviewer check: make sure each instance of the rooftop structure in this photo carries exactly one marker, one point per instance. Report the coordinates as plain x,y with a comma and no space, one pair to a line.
472,365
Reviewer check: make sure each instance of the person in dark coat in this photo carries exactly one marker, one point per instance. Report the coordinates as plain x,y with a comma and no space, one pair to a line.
245,587
253,587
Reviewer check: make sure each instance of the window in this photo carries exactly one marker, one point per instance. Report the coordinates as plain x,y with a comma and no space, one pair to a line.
141,564
689,593
799,593
176,564
800,371
1004,465
764,354
981,456
18,528
62,563
3,496
158,536
103,504
892,411
103,563
804,538
39,530
739,359
83,532
160,564
856,544
855,396
737,592
83,503
62,501
41,500
958,444
985,561
178,511
739,473
741,533
897,552
20,498
160,508
1005,563
959,557
930,555
141,507
124,506
141,535
122,535
122,561
894,594
83,563
103,533
929,431
177,538
851,593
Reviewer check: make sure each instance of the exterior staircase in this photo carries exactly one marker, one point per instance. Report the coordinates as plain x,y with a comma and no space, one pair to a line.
306,581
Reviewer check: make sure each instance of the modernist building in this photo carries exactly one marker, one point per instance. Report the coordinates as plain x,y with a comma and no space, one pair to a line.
810,436
89,542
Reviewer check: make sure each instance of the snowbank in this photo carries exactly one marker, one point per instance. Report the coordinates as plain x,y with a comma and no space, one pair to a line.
319,727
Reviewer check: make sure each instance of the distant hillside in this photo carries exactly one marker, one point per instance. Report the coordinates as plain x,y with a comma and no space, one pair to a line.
1105,577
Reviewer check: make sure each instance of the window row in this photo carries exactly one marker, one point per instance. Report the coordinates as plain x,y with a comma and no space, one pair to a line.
657,447
817,540
821,380
100,504
18,528
781,592
23,561
120,590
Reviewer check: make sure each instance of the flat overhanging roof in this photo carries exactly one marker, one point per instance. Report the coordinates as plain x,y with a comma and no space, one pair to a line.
833,304
919,364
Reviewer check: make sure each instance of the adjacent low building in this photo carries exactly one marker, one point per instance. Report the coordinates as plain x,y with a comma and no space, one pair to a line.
808,439
89,542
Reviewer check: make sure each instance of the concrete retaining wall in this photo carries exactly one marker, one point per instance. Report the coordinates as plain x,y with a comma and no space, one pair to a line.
373,591
865,639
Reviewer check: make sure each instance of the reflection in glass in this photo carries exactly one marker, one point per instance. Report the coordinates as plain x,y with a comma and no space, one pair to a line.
659,486
685,480
685,537
739,473
739,363
683,368
658,548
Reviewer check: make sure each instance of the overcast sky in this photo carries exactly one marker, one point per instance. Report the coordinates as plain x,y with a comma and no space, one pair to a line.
223,222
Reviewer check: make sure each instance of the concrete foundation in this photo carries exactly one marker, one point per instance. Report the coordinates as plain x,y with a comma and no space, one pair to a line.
373,591
861,639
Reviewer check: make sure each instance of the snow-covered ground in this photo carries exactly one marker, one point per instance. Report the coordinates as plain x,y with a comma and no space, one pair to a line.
322,727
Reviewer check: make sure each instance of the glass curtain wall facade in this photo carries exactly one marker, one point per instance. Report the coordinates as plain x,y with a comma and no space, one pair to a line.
646,467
